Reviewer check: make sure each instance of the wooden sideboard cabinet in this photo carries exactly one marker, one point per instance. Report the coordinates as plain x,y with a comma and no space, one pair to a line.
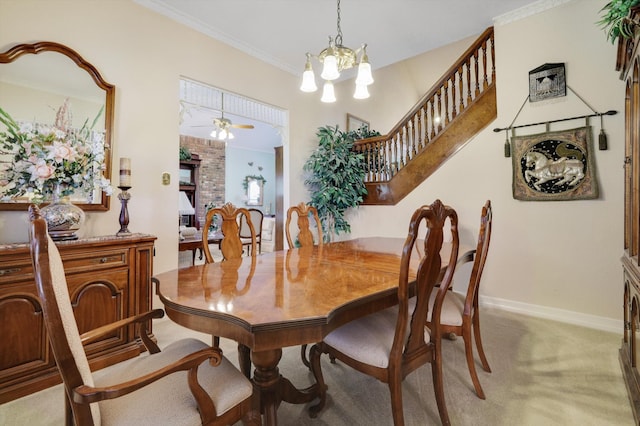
109,278
628,63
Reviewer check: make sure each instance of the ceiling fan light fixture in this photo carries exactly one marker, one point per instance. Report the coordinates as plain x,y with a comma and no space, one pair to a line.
335,59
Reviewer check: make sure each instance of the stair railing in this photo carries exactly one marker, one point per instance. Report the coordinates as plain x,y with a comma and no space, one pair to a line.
460,85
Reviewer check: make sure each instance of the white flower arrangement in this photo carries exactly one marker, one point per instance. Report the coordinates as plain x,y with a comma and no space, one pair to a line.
37,160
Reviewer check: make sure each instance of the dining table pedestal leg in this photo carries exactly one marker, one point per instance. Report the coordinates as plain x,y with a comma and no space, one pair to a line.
273,387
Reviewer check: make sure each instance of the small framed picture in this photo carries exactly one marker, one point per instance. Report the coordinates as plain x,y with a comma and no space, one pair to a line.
354,123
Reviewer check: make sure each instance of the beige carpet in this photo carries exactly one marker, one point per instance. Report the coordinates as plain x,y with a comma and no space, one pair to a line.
544,373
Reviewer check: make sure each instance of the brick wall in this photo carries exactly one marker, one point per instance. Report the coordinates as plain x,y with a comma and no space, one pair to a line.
212,170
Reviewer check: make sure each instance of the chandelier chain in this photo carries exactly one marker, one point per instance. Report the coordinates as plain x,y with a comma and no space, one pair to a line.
339,36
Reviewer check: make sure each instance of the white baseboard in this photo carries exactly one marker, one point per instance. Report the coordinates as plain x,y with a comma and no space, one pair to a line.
570,317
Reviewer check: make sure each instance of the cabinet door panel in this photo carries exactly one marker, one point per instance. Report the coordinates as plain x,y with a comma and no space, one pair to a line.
99,300
23,335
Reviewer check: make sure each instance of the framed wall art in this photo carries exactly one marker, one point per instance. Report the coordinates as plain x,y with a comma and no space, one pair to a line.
547,81
354,123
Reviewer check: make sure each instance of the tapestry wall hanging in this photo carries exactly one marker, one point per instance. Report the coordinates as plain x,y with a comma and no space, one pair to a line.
554,166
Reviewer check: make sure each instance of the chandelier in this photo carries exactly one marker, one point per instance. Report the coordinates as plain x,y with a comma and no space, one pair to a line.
335,59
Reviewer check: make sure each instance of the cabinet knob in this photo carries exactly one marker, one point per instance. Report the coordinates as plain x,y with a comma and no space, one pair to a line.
104,260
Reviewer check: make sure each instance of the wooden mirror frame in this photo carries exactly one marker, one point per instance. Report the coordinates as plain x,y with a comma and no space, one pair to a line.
46,46
260,183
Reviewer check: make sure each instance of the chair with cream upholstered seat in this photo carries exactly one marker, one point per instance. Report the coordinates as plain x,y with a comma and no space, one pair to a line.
460,311
392,343
186,383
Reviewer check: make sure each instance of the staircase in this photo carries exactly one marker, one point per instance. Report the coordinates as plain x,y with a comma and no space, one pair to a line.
455,109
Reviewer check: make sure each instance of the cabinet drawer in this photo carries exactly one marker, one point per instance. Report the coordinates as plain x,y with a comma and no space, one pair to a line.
16,270
20,270
94,260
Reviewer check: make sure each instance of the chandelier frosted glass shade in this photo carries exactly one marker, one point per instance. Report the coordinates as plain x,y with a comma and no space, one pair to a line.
364,71
362,92
328,94
308,78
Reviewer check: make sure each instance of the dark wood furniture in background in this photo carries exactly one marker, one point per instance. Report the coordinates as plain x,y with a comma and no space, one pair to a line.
189,178
628,63
194,243
109,278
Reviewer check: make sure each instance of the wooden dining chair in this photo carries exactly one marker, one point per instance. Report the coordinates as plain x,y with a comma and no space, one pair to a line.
392,343
460,311
256,218
186,383
231,245
303,239
305,235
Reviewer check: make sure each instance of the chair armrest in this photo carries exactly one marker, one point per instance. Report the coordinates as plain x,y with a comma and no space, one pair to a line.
140,319
190,363
468,256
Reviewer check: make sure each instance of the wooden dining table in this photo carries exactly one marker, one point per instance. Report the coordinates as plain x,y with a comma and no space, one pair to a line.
286,298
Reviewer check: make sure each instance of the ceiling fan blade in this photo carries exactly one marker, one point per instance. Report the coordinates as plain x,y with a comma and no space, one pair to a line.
243,126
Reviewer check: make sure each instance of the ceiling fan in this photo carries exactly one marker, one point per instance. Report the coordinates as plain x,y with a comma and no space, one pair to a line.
224,125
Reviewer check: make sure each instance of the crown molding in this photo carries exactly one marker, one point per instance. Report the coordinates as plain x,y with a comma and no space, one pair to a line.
529,10
162,8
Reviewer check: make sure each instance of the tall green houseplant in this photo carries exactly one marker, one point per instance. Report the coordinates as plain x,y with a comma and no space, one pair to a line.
336,179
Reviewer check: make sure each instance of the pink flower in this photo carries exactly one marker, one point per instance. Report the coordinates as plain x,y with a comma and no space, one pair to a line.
61,151
41,170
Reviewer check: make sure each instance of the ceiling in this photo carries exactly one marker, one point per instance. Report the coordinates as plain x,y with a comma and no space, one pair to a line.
280,32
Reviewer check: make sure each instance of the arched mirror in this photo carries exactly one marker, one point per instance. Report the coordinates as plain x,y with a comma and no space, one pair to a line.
255,187
36,80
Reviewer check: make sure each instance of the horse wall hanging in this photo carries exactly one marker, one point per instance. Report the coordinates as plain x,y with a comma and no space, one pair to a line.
553,166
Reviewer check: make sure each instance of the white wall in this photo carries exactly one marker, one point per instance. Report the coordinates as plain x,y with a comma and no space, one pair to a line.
559,259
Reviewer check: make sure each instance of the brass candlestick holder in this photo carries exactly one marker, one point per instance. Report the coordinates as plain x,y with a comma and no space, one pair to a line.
124,198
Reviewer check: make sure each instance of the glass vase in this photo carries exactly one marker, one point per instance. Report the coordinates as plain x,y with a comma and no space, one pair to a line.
63,217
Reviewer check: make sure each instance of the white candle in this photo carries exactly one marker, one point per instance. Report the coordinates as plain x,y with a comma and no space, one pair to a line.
125,172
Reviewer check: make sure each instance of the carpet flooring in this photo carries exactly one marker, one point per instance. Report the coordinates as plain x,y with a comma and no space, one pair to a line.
544,373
